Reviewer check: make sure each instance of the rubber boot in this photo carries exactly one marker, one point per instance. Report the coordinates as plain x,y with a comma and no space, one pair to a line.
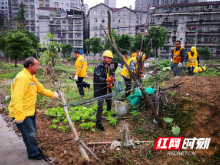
99,125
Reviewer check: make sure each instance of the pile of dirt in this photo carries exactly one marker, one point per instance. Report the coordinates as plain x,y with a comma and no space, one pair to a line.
202,95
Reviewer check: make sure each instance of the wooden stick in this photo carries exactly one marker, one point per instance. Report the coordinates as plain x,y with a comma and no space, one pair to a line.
104,143
123,140
81,149
88,150
81,145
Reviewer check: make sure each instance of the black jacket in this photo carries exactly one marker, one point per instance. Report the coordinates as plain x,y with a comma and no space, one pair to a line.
100,76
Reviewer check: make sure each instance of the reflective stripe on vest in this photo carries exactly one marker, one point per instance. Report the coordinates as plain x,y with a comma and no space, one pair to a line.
177,56
192,60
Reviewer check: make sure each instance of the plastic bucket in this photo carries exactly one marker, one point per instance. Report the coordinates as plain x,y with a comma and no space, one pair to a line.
121,108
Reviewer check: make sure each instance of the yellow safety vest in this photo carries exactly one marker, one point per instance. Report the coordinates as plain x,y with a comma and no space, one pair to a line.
176,55
134,54
192,60
125,73
81,66
126,60
108,71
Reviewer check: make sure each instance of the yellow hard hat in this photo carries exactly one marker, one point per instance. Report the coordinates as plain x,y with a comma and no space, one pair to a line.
204,68
108,53
193,49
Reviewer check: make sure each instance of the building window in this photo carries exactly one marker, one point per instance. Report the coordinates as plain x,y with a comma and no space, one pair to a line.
181,28
118,13
78,27
77,35
56,4
70,21
95,20
103,20
64,35
192,8
32,28
103,12
181,39
119,21
210,7
152,20
70,28
95,12
77,21
58,21
70,35
215,16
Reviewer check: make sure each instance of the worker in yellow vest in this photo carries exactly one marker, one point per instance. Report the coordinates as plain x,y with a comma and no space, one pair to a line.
177,58
126,58
81,70
137,52
126,75
192,60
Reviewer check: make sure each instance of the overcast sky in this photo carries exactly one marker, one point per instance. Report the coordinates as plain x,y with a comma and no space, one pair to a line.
119,3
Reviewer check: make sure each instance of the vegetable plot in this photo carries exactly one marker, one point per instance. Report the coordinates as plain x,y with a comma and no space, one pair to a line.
84,116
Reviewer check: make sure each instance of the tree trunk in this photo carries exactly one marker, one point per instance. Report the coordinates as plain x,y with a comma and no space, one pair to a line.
16,61
156,51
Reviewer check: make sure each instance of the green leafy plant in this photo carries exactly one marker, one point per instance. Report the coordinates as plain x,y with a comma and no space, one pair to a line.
62,128
175,129
53,126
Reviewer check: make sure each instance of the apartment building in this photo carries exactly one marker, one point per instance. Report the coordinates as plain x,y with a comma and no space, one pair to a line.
123,21
64,19
196,24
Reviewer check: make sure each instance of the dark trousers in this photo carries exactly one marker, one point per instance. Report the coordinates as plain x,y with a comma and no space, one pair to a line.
81,85
100,108
28,132
128,86
176,70
190,70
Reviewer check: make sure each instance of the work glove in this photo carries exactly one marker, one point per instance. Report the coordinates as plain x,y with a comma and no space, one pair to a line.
110,86
18,122
171,60
56,94
180,65
110,79
75,78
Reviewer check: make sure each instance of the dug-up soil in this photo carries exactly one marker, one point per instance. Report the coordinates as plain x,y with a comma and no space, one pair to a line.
201,95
